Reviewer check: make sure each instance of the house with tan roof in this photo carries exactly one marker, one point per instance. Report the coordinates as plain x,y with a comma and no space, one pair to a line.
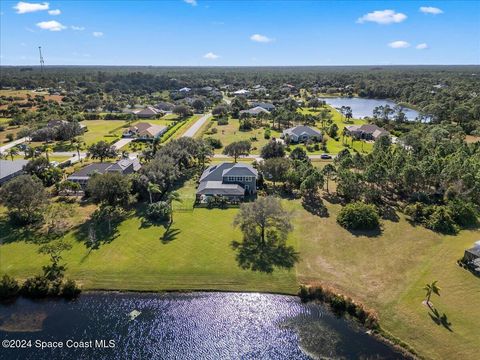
145,131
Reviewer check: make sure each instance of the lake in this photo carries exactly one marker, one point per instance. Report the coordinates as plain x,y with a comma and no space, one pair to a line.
185,326
362,107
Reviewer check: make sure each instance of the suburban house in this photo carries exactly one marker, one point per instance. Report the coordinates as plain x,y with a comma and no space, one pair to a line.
302,133
148,112
266,106
241,92
124,166
10,169
145,131
254,111
471,258
231,180
366,131
165,106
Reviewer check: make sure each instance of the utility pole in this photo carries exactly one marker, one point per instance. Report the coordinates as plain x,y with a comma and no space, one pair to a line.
42,63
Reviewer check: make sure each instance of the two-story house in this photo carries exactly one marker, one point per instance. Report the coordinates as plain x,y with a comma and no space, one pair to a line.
231,180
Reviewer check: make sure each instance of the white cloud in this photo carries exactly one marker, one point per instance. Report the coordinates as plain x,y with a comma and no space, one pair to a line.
399,44
24,7
97,33
211,56
191,2
382,17
422,46
260,38
77,28
431,10
54,12
51,25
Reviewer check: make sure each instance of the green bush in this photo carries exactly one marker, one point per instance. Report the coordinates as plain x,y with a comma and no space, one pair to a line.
267,134
70,290
214,143
158,211
222,121
8,287
359,216
36,287
441,221
463,213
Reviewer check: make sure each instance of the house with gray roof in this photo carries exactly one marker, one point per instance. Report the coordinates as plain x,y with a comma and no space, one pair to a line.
124,166
231,180
10,169
254,111
302,133
266,106
145,131
366,131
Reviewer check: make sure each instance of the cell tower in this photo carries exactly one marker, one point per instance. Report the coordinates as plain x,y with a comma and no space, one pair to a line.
42,63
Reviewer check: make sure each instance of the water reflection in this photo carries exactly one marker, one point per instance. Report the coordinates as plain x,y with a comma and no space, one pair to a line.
192,326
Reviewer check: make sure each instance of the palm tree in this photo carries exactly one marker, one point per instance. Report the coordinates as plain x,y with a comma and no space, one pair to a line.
431,289
12,152
152,188
47,149
78,144
171,197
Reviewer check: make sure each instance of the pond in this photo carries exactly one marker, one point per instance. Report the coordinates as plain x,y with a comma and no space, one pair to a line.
362,107
184,326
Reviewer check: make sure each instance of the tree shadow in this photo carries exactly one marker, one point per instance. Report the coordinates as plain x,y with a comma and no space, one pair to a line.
10,233
264,257
368,233
388,212
332,198
440,319
169,235
314,205
94,234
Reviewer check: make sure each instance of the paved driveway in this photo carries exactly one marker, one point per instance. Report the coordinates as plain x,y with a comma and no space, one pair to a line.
196,126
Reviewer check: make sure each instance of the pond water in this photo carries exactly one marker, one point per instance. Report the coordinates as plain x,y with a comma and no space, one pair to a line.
362,107
186,326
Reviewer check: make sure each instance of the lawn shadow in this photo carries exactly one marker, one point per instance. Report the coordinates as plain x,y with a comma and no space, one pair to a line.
10,233
94,234
169,235
388,212
368,233
264,257
440,319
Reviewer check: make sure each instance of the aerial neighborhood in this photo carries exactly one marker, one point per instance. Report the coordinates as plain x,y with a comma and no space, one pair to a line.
239,180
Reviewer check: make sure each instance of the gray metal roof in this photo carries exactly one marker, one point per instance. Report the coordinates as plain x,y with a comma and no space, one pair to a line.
216,172
219,188
8,167
302,129
89,170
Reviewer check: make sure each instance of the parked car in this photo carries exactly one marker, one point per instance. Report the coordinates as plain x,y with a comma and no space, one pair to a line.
325,156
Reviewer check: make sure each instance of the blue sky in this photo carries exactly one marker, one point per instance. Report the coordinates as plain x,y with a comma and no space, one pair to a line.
246,33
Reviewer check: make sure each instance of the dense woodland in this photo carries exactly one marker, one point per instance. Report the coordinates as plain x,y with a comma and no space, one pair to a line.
445,93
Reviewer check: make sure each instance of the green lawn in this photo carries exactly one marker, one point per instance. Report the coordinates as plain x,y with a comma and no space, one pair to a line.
230,133
335,146
195,254
106,130
388,273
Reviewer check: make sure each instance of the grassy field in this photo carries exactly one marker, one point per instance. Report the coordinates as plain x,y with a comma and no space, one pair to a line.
230,133
106,130
335,146
147,257
388,272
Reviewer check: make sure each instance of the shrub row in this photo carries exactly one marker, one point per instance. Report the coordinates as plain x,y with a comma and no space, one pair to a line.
37,287
340,304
